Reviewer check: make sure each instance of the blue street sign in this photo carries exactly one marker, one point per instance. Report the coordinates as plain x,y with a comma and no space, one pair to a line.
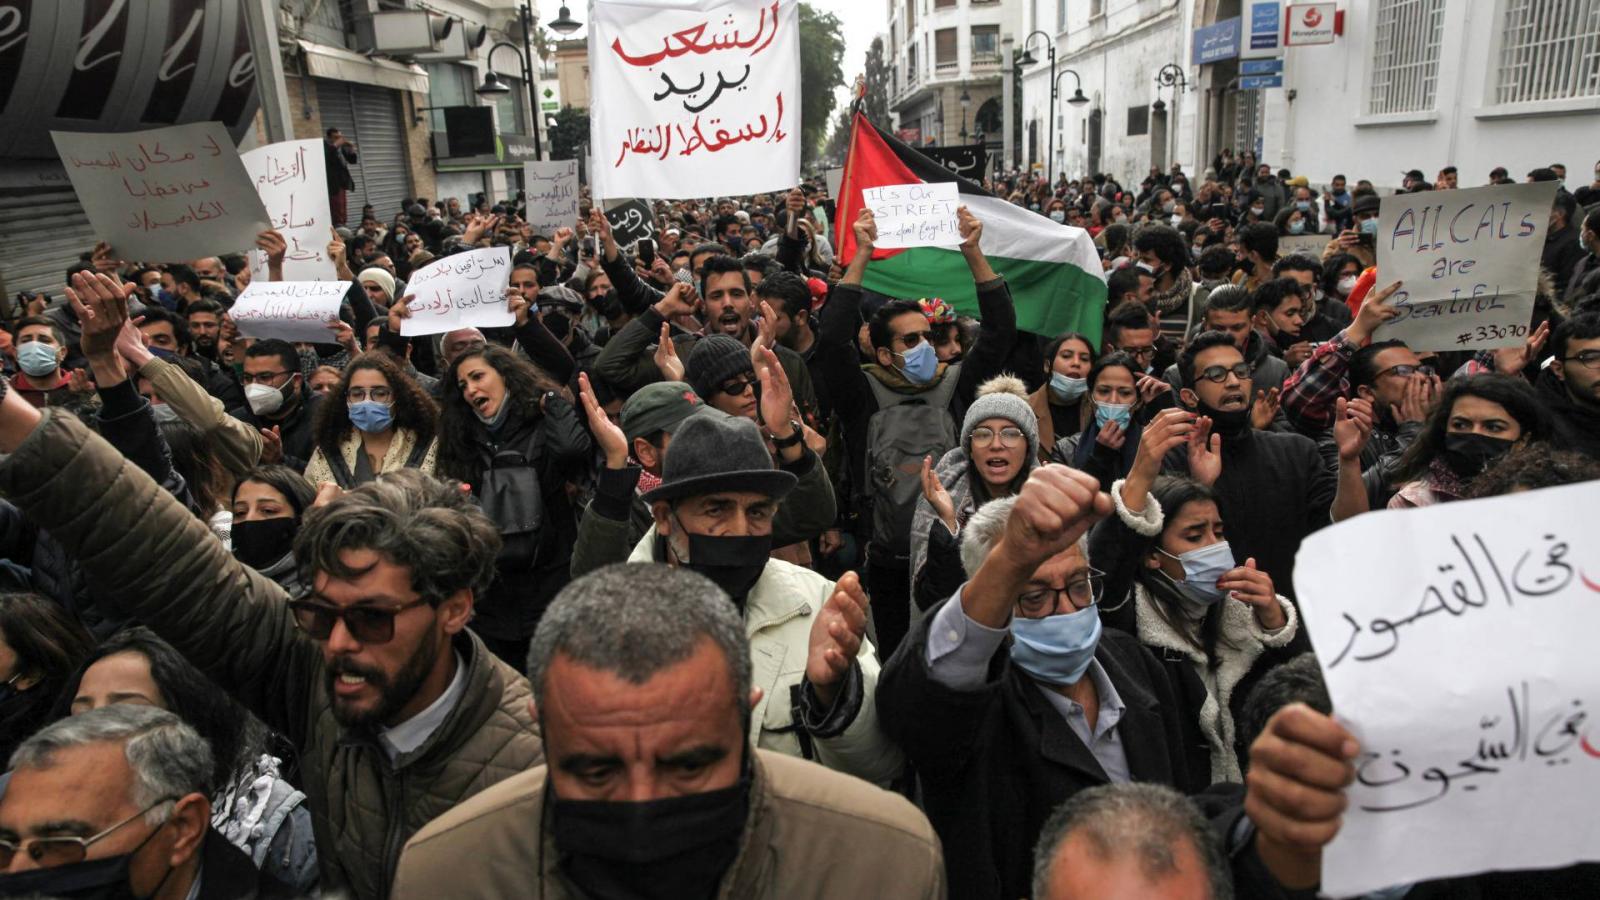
1261,66
1215,43
1257,82
1265,20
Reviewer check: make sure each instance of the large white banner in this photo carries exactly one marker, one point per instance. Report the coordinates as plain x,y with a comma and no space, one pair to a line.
701,97
292,179
164,195
1451,639
1469,261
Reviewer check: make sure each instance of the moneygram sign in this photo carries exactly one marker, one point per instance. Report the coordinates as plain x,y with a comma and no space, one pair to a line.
1311,23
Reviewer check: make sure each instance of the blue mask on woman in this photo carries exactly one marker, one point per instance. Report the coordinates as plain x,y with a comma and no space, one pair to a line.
1056,649
1120,413
1202,567
1370,226
1066,389
371,416
921,362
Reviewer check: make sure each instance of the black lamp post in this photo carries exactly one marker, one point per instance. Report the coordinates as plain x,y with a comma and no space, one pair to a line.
1077,98
492,85
966,101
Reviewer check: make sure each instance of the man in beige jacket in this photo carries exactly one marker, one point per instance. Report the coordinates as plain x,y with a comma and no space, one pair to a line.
641,679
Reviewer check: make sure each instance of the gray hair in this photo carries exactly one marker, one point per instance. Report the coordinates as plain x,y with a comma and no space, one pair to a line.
636,619
982,532
1145,822
169,759
411,519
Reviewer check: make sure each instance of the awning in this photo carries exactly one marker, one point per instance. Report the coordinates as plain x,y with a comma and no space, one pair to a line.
339,64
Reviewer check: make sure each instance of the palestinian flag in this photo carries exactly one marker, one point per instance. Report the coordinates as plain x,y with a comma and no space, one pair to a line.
1053,270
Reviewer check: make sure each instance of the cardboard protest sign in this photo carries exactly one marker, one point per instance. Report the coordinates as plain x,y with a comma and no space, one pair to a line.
164,195
550,190
702,97
291,177
460,291
1469,261
915,215
298,311
1449,653
631,221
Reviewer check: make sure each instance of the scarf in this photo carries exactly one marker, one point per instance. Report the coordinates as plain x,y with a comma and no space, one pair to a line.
893,379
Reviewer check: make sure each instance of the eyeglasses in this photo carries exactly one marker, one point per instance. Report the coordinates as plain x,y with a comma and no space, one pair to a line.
914,338
266,378
1219,374
1589,359
1139,352
1009,437
380,394
1406,371
737,386
1084,592
367,624
50,852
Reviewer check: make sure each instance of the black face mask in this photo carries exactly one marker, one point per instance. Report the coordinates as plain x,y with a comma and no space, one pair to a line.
560,326
678,847
1245,265
1230,424
92,879
1467,454
260,544
734,564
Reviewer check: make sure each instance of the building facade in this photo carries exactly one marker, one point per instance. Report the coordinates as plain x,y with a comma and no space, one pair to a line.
944,60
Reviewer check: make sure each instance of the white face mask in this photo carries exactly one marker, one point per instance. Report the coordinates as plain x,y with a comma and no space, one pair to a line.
264,399
1347,284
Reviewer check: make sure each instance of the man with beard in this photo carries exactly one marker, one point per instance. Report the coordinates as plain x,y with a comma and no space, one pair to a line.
1272,487
205,326
644,683
628,360
396,711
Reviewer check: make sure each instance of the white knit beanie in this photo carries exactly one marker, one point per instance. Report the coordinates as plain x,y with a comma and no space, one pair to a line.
1002,397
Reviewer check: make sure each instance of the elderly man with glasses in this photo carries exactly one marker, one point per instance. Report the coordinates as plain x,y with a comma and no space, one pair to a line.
113,802
1009,698
397,711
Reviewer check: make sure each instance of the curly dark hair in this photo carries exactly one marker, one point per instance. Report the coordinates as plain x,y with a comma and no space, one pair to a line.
458,455
1532,467
414,410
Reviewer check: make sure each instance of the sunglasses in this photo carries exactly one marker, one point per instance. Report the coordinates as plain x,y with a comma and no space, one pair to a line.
367,624
737,386
1219,374
50,852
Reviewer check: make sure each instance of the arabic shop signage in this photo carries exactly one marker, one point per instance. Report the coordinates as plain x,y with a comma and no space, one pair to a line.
1215,43
510,152
120,65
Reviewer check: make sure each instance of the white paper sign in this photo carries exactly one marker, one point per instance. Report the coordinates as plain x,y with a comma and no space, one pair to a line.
164,195
1454,641
298,311
460,291
1302,245
551,192
702,97
291,177
1469,261
915,215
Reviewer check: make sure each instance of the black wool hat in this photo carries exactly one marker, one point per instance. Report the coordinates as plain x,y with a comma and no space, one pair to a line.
709,454
713,361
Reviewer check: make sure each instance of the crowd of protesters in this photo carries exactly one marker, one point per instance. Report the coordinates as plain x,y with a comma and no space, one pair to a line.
717,574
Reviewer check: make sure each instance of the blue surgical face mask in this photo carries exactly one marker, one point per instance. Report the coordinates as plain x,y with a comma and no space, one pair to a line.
1303,205
1202,568
37,358
1370,226
1120,413
1058,215
1056,649
920,363
371,416
1067,389
1298,227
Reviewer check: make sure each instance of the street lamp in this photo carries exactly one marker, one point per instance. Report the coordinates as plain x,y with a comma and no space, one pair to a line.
493,86
1170,76
564,23
966,101
1077,98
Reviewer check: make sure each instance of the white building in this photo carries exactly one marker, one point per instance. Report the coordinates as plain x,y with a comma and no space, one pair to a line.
1405,84
939,51
1115,50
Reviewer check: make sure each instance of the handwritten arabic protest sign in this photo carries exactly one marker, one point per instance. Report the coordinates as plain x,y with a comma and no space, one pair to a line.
702,97
291,177
1470,263
467,290
1454,654
164,195
551,191
915,215
1302,245
290,310
631,221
